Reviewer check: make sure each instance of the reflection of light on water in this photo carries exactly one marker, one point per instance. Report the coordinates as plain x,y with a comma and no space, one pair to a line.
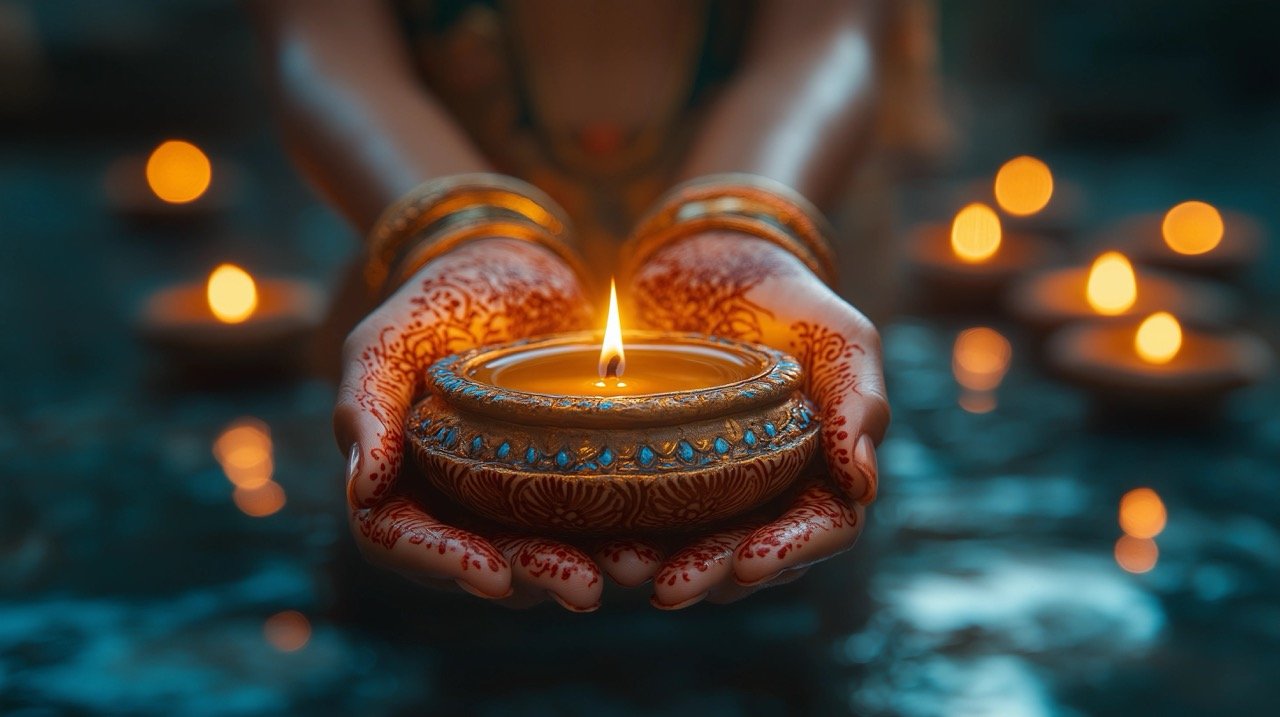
243,449
1142,513
1136,555
287,631
259,502
979,361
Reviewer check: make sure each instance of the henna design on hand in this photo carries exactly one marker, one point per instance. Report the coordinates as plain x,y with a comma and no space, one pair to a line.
826,356
815,509
399,518
476,296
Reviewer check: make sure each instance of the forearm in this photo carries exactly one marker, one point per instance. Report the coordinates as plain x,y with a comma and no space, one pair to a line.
799,109
355,118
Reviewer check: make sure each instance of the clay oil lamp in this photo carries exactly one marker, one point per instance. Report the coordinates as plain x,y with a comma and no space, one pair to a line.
972,260
635,432
1111,289
1156,363
231,319
1192,237
176,181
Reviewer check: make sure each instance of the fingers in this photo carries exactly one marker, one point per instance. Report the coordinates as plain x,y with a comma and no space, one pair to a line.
378,382
547,567
400,535
845,379
819,524
694,571
628,562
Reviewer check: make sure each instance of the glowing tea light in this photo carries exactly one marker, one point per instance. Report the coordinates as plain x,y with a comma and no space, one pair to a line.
1159,338
980,359
260,502
178,172
232,294
287,631
1112,288
1142,513
243,449
1136,555
1192,228
975,233
1024,185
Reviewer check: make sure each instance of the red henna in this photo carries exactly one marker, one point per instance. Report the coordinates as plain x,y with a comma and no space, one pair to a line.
815,510
827,359
399,518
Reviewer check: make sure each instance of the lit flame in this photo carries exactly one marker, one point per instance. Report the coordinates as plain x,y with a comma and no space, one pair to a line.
1136,555
1192,228
1142,513
243,449
287,631
1024,186
1112,288
178,172
975,233
231,293
1159,338
613,360
980,358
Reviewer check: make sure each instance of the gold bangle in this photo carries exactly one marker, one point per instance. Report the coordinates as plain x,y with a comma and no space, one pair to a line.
747,203
441,214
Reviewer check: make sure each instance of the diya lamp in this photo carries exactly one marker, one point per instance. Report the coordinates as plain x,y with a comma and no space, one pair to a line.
175,181
231,319
1111,289
636,431
1156,363
973,259
1192,237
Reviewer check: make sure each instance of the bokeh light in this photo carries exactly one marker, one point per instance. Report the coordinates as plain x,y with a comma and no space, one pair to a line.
178,172
1112,288
1192,228
287,631
1136,555
267,499
1159,338
1024,185
980,358
975,233
243,449
232,294
1142,513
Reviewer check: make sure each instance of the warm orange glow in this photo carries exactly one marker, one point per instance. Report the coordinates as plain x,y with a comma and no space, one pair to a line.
244,451
1136,555
287,631
259,502
980,358
977,401
1159,338
1024,186
1192,228
1112,288
1142,513
232,294
975,233
613,360
178,172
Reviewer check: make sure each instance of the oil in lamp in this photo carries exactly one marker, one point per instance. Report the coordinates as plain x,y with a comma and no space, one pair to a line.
231,319
636,431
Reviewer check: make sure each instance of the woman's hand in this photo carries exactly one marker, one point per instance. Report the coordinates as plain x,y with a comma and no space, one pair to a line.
739,286
488,291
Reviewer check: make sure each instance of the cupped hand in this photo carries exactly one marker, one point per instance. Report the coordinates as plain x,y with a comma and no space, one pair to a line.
734,285
484,292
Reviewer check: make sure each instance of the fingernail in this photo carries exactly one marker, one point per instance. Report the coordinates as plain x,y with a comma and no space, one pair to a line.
353,462
468,587
864,454
757,581
654,601
570,606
